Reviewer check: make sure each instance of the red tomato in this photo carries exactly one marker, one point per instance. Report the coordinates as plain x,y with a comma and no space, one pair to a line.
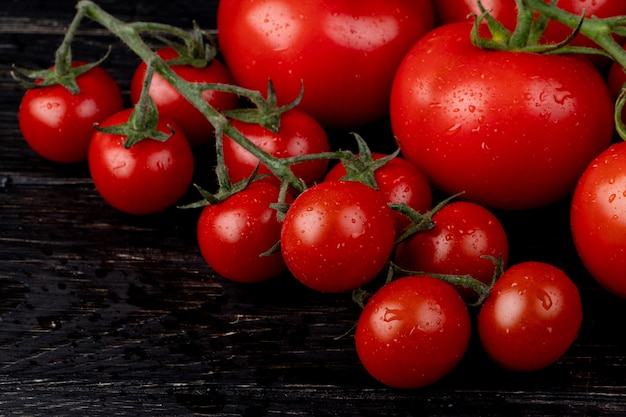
598,218
337,236
173,106
148,177
58,125
513,139
505,11
234,234
400,182
299,134
463,233
413,332
531,317
345,51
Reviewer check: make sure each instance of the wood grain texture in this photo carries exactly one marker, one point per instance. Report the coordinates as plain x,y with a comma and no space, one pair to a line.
104,314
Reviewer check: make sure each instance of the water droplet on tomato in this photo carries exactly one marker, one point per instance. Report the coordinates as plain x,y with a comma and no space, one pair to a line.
545,299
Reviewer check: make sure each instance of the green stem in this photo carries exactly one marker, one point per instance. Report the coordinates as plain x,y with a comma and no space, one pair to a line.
129,35
596,29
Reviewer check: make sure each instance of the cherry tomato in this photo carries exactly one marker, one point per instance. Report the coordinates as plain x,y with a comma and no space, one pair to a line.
234,234
400,182
517,138
58,125
337,235
345,52
531,317
413,332
173,106
299,134
464,232
148,177
598,218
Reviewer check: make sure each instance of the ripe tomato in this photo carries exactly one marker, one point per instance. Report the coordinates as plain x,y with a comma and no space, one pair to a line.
345,52
148,177
234,234
173,106
463,233
337,235
531,317
413,332
299,134
513,139
58,125
400,182
598,218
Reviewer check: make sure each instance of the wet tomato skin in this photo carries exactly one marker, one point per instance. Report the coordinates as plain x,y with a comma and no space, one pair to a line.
531,317
412,332
598,218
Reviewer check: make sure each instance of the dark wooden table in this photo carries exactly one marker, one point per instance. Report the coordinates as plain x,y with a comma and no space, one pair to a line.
103,313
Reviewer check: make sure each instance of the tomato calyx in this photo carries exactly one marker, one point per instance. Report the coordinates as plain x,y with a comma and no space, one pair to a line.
65,71
527,33
143,120
195,51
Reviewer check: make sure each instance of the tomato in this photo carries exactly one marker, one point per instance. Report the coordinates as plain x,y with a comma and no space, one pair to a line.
173,106
531,317
146,178
510,139
413,332
299,134
598,218
337,236
505,11
234,234
463,233
400,182
58,125
345,52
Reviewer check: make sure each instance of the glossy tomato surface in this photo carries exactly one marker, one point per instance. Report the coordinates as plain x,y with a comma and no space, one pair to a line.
235,234
173,106
345,52
511,130
413,332
531,317
598,219
400,182
337,236
146,178
58,125
299,134
464,233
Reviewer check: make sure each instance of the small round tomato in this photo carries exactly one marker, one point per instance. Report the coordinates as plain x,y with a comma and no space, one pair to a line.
598,218
173,106
299,134
514,139
337,236
400,182
413,332
148,177
235,234
463,233
58,125
344,52
531,317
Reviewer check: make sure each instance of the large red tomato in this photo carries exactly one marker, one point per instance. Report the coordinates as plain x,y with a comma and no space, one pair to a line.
598,218
512,138
344,51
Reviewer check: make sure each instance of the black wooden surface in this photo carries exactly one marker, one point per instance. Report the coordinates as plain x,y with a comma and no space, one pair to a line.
107,314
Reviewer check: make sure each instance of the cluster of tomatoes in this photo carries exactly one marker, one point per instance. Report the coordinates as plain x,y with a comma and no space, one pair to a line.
502,129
